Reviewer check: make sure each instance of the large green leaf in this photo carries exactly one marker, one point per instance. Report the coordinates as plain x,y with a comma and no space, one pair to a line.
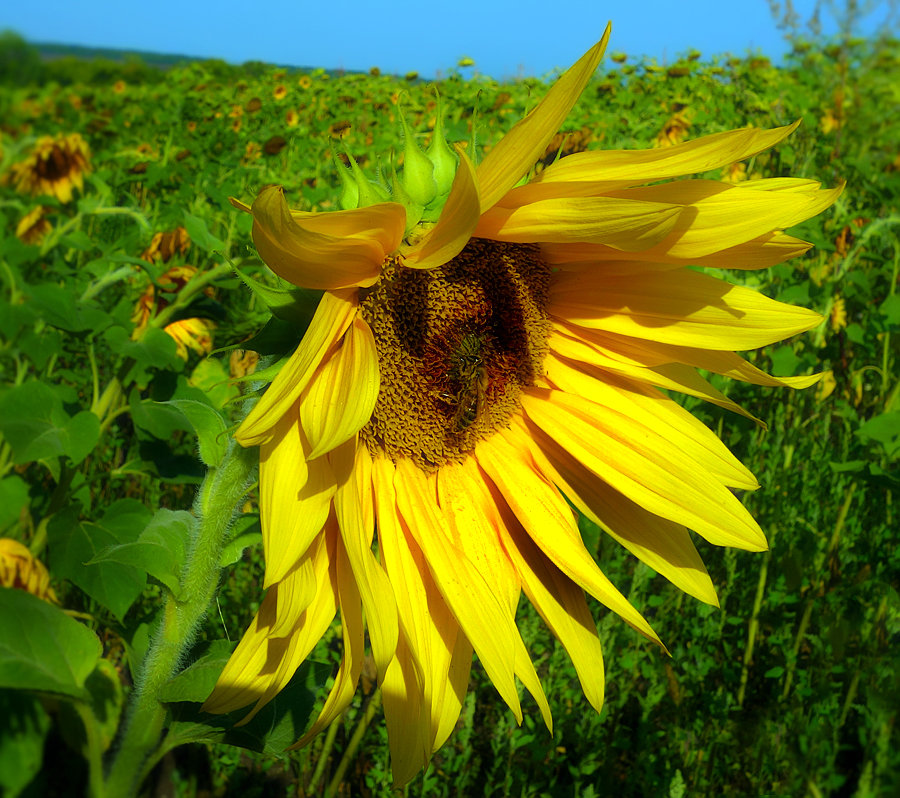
22,733
209,426
196,682
37,427
42,648
61,307
13,497
159,550
74,543
200,235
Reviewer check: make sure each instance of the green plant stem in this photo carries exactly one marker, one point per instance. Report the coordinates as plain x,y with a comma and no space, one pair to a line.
355,740
821,562
753,628
886,341
327,745
194,286
218,497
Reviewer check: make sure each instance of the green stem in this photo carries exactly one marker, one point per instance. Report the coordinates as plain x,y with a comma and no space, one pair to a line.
886,342
753,628
355,740
220,494
327,745
194,286
94,288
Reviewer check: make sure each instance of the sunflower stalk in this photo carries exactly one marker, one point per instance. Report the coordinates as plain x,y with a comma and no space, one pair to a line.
219,495
816,590
187,294
753,628
364,721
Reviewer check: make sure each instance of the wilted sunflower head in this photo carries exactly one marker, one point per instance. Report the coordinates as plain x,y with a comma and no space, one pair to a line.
486,355
192,334
34,226
165,245
55,166
20,570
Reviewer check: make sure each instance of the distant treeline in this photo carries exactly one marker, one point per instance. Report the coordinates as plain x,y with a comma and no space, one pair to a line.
25,63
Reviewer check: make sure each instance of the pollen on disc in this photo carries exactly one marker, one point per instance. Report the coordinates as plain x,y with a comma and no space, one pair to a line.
455,346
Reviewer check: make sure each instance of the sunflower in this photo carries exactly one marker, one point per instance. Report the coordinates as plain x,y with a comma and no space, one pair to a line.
675,128
55,166
34,226
191,333
194,333
20,570
468,374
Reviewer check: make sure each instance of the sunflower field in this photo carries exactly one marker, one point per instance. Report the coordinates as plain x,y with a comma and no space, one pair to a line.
137,318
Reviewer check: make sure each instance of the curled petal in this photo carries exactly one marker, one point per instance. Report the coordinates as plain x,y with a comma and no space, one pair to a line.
333,316
297,250
341,396
633,167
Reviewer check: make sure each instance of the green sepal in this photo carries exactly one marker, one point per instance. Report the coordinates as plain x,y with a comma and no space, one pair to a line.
418,170
443,158
370,193
295,305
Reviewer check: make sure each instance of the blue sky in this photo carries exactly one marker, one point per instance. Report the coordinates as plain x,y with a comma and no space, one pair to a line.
402,36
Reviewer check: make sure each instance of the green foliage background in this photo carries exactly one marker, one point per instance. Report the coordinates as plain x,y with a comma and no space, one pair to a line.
791,688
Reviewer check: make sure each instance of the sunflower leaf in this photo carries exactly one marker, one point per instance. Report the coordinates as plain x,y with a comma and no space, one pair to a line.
74,543
159,550
37,427
42,648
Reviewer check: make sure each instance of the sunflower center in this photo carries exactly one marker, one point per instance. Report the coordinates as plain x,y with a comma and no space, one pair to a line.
54,165
455,347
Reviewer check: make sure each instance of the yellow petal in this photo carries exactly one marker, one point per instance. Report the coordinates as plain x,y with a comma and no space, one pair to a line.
619,223
560,602
295,499
296,249
456,224
655,411
333,316
625,356
758,253
260,662
340,399
383,222
519,149
353,649
428,626
643,466
474,522
407,723
718,216
681,307
653,353
663,545
352,467
544,514
645,166
454,692
469,597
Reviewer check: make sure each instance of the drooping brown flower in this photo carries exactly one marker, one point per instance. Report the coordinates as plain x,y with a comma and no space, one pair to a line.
34,226
20,570
55,167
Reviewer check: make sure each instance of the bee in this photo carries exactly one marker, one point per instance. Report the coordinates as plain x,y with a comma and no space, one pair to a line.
468,378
